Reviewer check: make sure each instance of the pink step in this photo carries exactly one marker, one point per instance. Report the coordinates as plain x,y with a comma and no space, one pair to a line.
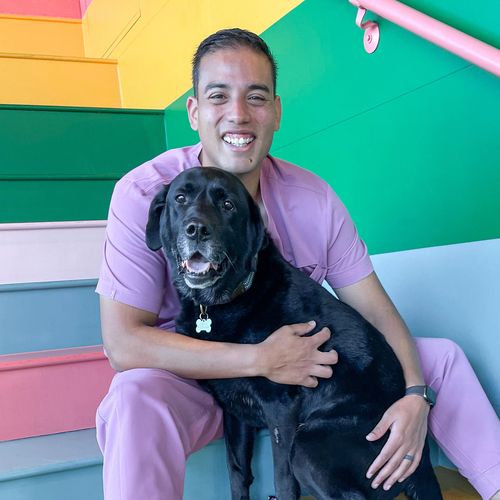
48,392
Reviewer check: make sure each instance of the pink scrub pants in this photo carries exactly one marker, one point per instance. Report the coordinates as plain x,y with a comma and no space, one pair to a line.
151,421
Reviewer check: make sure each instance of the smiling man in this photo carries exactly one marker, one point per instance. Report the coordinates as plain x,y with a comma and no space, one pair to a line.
155,414
235,110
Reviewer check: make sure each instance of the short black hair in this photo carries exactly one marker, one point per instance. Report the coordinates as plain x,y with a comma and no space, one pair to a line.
231,39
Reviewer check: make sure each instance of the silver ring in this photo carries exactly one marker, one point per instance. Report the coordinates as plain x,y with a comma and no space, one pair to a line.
409,457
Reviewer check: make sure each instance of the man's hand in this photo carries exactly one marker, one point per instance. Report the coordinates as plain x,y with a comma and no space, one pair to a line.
407,421
288,357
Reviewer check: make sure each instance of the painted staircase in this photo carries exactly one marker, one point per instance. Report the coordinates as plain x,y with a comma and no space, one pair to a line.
64,142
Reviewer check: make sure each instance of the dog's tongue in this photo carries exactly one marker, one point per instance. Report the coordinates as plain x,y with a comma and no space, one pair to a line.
197,264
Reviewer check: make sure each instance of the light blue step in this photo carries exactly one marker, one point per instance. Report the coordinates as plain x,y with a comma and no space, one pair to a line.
57,467
53,315
451,291
69,466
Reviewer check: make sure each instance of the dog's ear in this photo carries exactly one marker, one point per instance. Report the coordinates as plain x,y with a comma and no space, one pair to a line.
153,226
258,233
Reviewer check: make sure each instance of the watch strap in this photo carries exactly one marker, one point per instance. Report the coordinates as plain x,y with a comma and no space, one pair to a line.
424,391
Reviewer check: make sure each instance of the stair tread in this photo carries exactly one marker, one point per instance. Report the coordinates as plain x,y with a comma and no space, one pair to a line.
49,57
45,454
51,357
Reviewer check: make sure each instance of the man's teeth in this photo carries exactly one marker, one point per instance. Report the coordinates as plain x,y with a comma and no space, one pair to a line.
238,141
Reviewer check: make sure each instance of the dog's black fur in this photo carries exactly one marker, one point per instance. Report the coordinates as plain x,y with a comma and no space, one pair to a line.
318,435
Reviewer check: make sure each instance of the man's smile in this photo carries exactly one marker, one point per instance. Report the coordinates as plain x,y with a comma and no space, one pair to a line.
238,140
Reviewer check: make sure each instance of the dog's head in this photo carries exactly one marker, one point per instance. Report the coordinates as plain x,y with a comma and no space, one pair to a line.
210,231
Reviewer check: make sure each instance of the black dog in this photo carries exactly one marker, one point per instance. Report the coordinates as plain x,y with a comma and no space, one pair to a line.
234,286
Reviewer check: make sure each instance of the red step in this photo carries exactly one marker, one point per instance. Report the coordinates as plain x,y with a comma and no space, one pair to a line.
48,392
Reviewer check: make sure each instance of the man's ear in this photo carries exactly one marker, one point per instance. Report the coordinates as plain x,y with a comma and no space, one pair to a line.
153,226
277,111
192,111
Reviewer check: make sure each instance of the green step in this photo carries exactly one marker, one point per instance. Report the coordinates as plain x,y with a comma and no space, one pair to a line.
61,163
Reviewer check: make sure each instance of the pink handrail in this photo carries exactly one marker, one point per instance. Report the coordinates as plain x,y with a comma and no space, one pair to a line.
451,39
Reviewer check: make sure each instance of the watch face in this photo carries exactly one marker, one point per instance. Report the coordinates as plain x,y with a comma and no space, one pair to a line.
430,395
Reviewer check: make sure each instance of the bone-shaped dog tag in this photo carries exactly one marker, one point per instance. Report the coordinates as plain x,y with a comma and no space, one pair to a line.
203,325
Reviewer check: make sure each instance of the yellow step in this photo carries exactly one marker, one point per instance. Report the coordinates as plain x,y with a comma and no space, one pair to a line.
41,36
58,81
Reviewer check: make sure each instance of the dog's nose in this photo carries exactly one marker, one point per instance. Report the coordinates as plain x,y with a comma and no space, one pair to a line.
197,230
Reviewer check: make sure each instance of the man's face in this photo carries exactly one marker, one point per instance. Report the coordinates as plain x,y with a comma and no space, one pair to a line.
236,112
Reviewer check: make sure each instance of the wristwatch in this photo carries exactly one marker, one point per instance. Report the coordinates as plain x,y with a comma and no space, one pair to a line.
423,390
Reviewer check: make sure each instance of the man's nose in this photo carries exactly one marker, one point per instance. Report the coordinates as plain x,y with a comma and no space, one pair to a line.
197,230
239,112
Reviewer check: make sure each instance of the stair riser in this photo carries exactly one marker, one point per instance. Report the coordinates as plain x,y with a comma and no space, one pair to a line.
51,251
77,484
58,81
54,398
37,317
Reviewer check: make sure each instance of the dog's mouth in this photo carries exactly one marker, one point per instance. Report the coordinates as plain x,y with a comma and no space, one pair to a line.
200,272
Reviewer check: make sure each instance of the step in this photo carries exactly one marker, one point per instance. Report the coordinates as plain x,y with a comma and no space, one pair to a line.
451,291
51,251
71,9
41,36
54,391
58,80
70,158
55,467
48,467
62,314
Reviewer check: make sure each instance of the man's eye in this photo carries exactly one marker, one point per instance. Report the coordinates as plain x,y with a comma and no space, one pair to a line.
228,205
181,199
216,97
257,98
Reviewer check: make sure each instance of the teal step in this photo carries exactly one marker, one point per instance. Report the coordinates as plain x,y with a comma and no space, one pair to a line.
69,465
45,316
56,467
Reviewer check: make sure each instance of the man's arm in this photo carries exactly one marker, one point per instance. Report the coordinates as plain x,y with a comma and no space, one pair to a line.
370,299
132,341
407,418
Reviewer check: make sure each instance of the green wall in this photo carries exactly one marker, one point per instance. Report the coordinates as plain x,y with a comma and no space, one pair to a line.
60,163
407,136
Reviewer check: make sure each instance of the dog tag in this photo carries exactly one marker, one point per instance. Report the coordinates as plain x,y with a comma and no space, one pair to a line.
204,323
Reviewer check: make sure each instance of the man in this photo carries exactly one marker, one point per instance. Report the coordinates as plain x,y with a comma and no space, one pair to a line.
155,415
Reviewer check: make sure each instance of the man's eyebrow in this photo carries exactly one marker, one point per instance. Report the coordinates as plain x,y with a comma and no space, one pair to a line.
259,86
252,86
216,85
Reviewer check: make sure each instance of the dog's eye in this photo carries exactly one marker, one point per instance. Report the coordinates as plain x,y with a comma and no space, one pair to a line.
180,198
228,205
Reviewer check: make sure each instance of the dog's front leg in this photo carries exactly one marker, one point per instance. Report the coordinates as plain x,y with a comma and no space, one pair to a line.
282,436
239,438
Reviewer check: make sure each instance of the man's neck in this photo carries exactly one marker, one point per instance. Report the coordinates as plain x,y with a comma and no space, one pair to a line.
251,182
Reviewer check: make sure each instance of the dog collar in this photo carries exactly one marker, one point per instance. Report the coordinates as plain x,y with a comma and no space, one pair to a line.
204,323
242,287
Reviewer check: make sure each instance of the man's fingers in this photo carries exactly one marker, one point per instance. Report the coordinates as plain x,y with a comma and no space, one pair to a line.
412,468
310,382
303,328
387,451
321,371
322,336
327,358
392,467
380,429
